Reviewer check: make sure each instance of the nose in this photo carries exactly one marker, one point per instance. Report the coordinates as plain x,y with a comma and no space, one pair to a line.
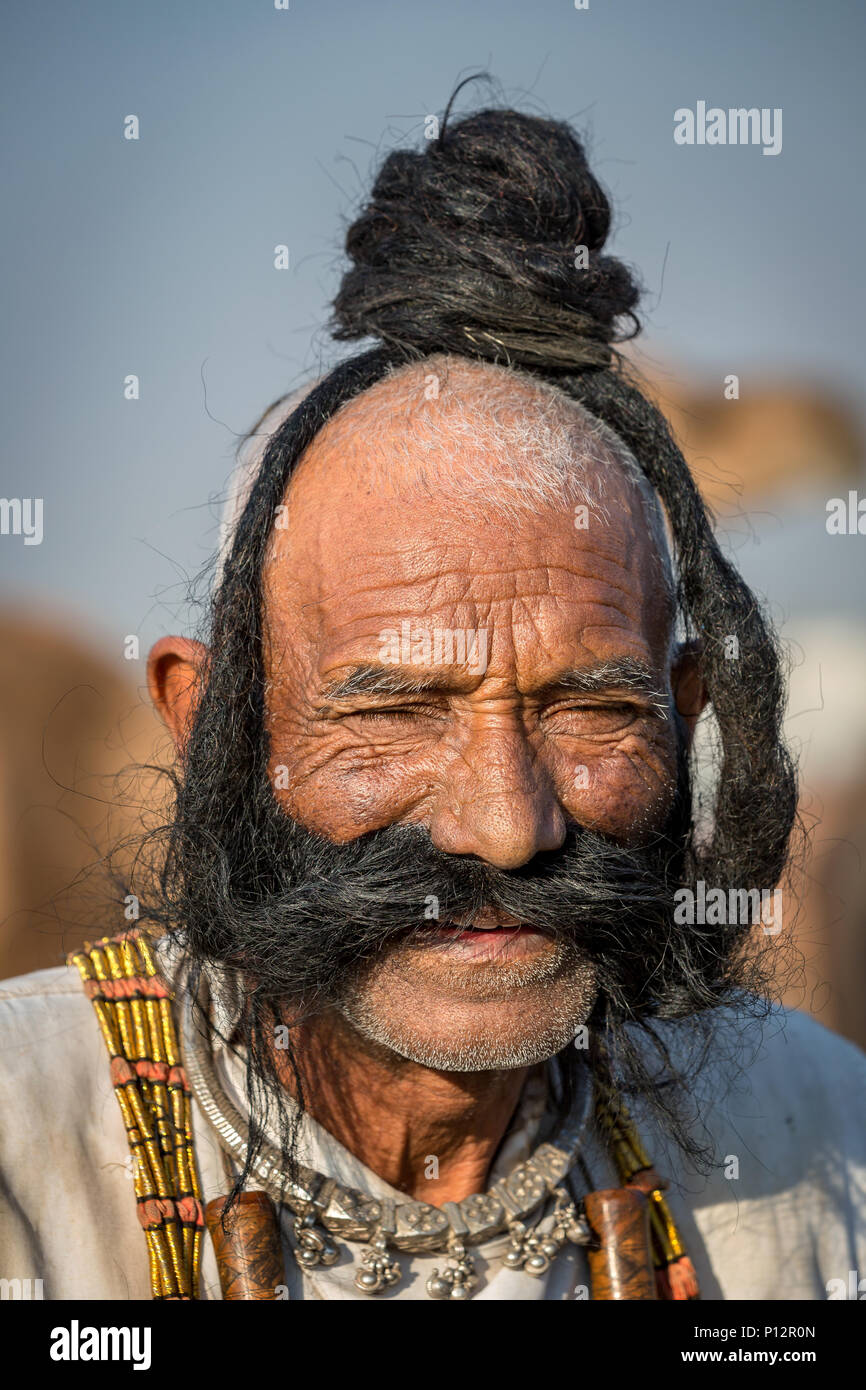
497,801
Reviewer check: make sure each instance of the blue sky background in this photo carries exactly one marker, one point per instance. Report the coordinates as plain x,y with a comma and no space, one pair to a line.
259,127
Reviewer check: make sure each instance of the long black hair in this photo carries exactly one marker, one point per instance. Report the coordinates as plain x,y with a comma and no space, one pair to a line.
489,245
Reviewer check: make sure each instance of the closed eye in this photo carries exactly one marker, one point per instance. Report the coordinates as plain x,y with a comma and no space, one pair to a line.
395,713
601,717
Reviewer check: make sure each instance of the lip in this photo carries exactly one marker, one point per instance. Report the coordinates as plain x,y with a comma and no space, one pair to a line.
506,941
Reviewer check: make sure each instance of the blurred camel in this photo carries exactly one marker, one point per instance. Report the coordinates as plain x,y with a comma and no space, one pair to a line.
71,723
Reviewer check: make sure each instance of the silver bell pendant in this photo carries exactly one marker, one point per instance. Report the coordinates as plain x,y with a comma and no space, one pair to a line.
531,1252
378,1270
458,1279
313,1246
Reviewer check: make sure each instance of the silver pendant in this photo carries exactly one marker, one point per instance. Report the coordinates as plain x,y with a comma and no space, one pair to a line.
458,1279
534,1251
313,1246
378,1270
569,1224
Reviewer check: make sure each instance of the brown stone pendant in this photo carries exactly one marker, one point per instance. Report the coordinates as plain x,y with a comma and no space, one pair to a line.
622,1265
249,1251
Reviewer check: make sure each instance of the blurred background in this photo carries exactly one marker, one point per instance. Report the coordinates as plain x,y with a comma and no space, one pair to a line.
154,258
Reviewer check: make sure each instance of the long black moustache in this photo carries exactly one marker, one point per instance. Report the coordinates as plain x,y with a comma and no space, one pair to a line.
330,910
301,918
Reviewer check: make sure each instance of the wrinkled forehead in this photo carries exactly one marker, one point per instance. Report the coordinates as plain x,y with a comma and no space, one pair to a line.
473,498
449,444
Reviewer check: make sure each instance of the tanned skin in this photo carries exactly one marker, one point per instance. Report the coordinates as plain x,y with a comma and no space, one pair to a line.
486,761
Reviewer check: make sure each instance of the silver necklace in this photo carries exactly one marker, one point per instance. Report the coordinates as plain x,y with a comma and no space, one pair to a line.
324,1208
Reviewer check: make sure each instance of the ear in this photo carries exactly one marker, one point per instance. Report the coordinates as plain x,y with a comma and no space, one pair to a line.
690,693
175,672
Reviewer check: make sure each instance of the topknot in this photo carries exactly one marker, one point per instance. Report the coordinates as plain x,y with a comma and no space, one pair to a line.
473,247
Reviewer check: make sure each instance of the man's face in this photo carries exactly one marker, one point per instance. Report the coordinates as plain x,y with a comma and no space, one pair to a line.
495,683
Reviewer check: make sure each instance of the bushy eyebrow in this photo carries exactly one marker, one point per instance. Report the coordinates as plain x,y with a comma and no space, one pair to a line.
380,680
625,673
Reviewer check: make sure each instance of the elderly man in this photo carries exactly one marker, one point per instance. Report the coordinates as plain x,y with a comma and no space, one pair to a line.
441,987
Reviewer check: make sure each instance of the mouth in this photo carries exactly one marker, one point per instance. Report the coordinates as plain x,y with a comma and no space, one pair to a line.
489,935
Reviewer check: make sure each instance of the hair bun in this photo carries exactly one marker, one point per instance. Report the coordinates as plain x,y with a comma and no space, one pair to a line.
472,247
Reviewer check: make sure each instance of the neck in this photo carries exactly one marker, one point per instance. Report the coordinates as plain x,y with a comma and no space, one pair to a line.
430,1134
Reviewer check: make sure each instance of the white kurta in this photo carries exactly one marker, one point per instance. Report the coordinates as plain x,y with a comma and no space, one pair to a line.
782,1214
